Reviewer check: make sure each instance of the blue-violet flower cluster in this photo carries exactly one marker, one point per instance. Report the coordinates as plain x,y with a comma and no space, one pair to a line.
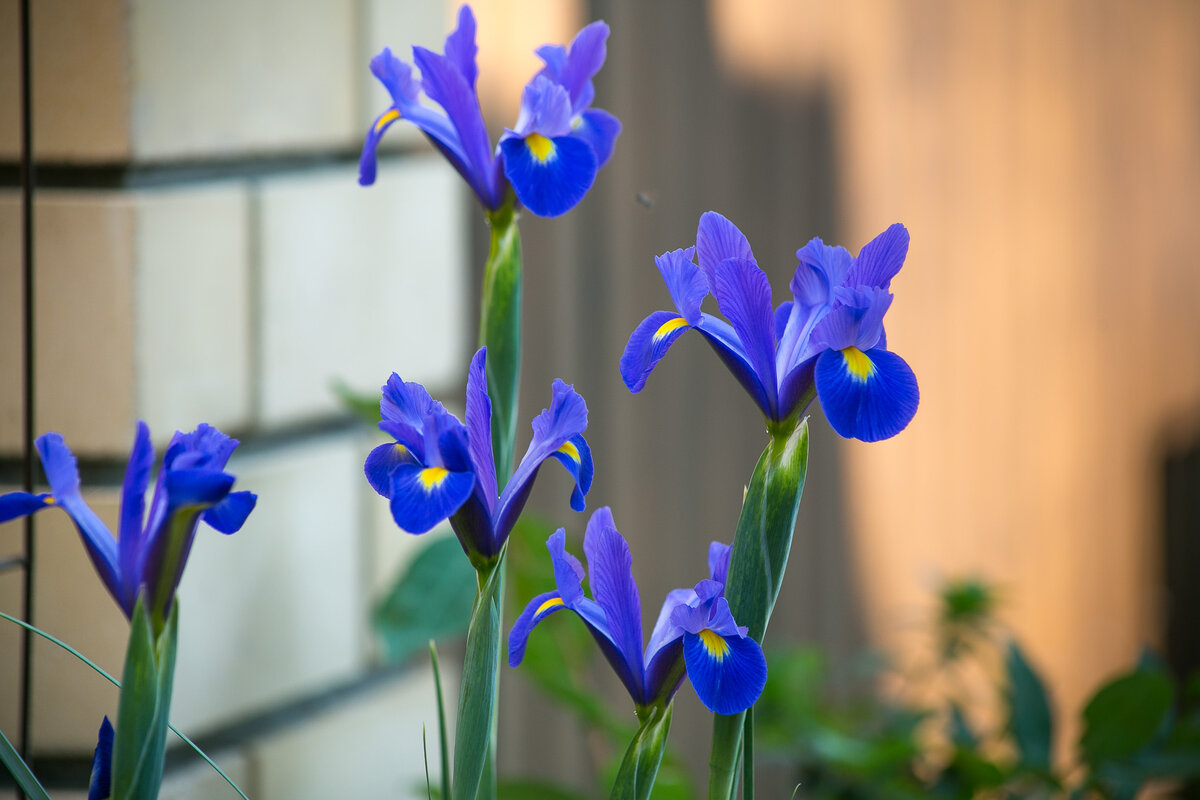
827,339
438,468
550,159
152,550
695,634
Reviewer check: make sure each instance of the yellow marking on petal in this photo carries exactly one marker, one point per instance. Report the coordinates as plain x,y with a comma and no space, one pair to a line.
551,603
541,148
668,326
388,117
432,477
401,450
50,501
716,647
858,364
570,451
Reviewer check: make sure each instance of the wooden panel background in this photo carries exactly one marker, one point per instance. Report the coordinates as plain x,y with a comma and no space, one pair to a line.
1045,157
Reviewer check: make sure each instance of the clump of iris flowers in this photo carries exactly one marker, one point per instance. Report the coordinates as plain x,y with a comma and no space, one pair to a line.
152,550
695,636
827,341
549,159
438,468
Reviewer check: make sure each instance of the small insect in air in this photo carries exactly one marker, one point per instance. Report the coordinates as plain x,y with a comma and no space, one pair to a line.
645,198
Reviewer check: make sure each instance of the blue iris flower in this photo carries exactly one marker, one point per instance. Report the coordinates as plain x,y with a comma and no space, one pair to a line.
100,784
695,635
828,339
438,468
549,160
152,550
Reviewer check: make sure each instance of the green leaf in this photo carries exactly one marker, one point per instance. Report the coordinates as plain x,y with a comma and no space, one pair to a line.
961,735
20,770
1125,716
1030,719
477,698
635,777
525,789
756,566
441,712
432,599
500,331
364,405
142,709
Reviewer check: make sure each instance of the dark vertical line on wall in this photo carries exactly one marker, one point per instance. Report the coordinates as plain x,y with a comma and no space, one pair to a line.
27,180
255,303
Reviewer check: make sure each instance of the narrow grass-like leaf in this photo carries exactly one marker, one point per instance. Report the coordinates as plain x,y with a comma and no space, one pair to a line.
756,567
748,756
137,712
441,712
20,770
1030,719
477,696
500,331
102,673
635,777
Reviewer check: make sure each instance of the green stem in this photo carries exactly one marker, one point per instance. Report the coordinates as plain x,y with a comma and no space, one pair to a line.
756,566
500,331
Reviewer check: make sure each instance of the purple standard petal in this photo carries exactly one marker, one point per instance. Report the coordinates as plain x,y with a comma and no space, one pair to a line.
396,77
718,562
549,175
744,296
564,419
448,87
584,59
460,46
686,283
555,58
424,496
21,504
537,610
63,476
718,239
880,259
856,320
479,430
230,514
822,268
610,565
130,542
545,110
647,345
568,572
868,396
665,630
725,343
409,403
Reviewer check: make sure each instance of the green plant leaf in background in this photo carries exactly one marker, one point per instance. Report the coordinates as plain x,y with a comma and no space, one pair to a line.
475,731
1030,720
1125,716
431,599
20,770
364,405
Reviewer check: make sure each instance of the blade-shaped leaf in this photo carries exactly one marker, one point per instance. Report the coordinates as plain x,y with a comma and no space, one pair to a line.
500,331
477,697
20,770
756,566
142,708
1030,718
441,712
635,777
432,599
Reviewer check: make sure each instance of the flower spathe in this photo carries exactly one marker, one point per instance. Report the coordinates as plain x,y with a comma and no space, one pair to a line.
152,550
439,468
549,159
695,634
827,339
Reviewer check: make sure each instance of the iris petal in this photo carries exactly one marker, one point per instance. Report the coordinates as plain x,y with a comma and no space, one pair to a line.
610,565
230,514
685,281
479,429
727,672
744,296
382,461
540,607
880,259
568,572
460,45
100,784
868,396
647,345
718,239
576,456
424,496
21,504
549,184
600,130
584,59
133,510
718,561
